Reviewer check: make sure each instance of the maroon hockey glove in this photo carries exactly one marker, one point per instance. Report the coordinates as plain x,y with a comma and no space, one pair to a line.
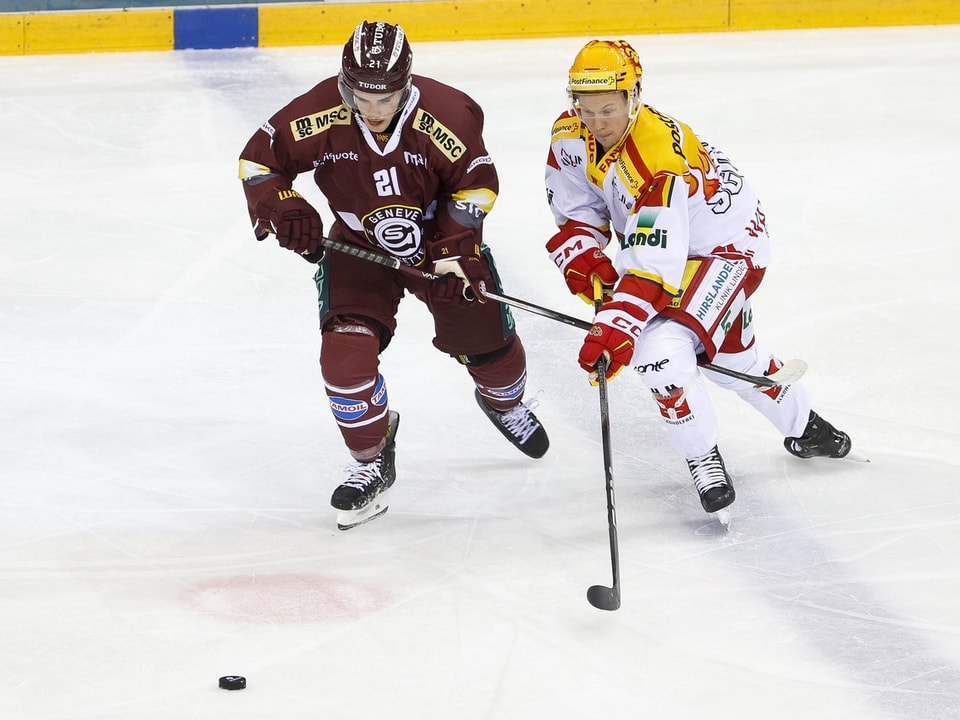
576,250
295,222
615,331
459,255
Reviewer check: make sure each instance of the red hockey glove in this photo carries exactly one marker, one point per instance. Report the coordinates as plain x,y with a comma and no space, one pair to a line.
577,251
295,222
615,331
460,255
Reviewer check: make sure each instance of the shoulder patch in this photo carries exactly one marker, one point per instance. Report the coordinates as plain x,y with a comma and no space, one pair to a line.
566,127
448,143
311,125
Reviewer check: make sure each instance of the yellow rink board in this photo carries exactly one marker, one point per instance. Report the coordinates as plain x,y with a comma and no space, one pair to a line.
786,15
481,19
332,23
73,32
491,19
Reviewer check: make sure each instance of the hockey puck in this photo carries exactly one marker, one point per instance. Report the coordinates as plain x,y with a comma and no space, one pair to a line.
233,682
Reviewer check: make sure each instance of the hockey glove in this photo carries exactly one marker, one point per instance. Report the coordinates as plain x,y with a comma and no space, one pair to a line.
615,330
295,222
578,252
459,255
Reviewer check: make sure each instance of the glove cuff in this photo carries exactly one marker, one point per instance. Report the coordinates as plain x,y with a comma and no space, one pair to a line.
573,240
454,247
625,317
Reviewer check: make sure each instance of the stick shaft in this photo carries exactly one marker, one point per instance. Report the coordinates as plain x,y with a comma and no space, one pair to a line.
584,325
392,262
608,459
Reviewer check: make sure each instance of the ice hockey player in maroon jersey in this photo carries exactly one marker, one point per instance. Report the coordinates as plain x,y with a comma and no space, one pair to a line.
401,161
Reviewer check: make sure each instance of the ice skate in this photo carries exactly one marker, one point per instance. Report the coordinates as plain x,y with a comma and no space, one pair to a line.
520,426
712,481
363,496
819,439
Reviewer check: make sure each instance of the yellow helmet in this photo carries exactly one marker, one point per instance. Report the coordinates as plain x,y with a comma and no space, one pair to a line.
606,66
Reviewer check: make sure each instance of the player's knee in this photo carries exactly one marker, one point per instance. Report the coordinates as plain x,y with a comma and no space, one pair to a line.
349,352
666,356
511,353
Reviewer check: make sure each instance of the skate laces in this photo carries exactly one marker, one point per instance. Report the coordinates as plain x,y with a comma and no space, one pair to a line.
708,471
362,475
520,420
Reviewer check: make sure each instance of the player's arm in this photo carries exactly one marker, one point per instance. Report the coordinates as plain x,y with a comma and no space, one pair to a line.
652,257
577,249
267,171
469,186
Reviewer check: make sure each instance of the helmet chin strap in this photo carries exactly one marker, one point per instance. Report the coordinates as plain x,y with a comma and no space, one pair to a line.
634,104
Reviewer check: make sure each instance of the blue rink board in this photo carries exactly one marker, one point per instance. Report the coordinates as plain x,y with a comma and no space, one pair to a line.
215,27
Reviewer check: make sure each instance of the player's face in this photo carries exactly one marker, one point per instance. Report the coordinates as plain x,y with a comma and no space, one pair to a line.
606,115
377,110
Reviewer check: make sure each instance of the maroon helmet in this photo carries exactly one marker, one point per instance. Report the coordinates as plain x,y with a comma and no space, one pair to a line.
376,59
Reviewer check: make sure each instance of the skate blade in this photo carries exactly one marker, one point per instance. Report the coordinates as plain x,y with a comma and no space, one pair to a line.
347,519
724,517
854,456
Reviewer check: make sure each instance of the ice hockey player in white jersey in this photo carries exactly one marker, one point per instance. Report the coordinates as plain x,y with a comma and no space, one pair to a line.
689,247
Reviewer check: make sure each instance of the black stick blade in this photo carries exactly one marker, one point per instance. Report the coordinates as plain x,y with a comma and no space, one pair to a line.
604,598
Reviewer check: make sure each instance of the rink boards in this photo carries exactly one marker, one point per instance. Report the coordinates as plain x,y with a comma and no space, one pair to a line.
175,28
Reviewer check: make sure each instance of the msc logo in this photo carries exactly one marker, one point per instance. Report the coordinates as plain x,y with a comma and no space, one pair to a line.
310,125
448,143
653,238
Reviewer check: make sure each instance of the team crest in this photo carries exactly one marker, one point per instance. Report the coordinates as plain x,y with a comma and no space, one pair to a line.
398,229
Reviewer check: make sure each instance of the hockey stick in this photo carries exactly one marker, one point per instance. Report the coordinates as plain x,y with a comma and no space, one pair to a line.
379,258
601,596
790,372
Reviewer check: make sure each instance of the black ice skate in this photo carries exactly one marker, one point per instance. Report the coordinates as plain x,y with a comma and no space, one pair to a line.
712,481
520,426
819,439
363,496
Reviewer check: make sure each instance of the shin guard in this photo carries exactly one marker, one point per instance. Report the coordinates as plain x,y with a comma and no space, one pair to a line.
500,376
787,407
349,361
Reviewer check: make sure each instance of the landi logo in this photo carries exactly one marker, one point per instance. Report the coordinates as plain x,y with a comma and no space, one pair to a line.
644,232
653,238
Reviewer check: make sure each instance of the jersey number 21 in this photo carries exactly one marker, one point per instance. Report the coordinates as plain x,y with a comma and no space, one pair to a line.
386,182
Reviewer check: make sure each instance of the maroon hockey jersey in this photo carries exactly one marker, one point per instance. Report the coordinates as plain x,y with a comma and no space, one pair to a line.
429,177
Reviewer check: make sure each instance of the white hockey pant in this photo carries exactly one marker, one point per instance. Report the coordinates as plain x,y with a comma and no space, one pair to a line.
666,359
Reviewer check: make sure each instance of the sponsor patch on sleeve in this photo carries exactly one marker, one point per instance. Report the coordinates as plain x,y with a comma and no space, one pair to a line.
567,127
310,125
448,143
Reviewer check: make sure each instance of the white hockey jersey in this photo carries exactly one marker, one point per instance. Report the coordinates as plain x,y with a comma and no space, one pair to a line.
664,194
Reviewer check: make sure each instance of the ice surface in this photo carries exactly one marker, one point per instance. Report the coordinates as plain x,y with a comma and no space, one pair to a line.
167,455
